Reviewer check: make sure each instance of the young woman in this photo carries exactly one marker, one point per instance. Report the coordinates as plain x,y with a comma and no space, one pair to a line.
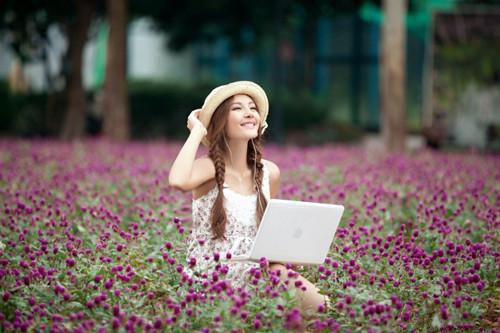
232,185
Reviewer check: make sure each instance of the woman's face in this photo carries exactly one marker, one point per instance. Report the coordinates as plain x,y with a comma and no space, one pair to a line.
243,118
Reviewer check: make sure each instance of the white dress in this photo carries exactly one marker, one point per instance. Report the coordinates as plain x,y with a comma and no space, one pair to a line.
240,232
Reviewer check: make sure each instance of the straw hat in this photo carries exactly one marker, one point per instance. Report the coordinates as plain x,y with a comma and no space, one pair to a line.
221,93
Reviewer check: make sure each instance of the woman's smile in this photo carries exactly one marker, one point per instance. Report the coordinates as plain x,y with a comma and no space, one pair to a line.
249,125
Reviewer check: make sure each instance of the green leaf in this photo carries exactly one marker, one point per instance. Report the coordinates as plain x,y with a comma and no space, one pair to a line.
476,310
74,306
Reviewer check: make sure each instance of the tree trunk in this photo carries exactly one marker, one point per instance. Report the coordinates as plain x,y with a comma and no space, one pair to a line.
74,121
393,76
115,102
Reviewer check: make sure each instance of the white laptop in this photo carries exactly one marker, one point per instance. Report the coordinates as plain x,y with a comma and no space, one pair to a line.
296,232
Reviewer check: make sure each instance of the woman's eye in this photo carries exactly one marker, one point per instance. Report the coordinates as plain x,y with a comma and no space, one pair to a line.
239,108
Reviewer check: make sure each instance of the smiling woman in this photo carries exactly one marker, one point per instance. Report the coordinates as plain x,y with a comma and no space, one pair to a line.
231,187
243,114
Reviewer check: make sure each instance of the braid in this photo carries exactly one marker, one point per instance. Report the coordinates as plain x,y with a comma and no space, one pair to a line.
218,213
254,158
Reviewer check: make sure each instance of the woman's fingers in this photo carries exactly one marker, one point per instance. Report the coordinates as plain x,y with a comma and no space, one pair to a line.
193,119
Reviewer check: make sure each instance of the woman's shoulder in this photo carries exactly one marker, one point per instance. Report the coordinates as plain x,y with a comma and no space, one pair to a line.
274,177
204,171
274,170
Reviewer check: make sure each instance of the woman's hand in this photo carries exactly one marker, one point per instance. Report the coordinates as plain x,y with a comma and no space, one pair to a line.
193,121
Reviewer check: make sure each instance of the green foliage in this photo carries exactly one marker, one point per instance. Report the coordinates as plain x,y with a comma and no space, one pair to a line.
27,24
460,64
472,61
301,109
5,117
161,109
22,114
246,23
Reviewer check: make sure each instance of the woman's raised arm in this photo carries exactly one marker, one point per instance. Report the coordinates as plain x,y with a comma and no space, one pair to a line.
181,172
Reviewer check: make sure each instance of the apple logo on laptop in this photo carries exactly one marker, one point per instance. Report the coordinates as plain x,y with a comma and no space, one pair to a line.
297,233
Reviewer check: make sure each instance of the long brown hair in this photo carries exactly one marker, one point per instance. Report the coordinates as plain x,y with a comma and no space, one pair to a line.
217,150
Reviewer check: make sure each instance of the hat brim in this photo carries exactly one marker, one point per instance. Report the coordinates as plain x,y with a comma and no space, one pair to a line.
221,93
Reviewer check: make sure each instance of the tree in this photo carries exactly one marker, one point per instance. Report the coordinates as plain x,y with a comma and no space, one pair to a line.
26,25
115,101
393,76
74,122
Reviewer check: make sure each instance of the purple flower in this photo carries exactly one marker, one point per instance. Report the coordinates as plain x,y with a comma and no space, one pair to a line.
70,262
192,262
115,323
90,304
444,312
108,284
263,262
293,320
116,310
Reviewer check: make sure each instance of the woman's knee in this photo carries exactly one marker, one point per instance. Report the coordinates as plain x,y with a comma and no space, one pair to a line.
283,272
278,268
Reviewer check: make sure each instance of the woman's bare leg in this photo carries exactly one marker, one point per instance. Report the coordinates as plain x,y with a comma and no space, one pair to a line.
309,299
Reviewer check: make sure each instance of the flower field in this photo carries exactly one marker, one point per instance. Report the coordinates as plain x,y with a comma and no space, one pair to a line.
94,239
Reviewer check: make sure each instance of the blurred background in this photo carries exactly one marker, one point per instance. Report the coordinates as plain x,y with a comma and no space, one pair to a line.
403,73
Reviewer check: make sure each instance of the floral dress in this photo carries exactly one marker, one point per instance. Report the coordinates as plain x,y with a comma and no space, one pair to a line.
240,232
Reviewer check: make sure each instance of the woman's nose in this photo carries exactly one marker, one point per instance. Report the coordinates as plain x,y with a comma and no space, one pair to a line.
248,112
